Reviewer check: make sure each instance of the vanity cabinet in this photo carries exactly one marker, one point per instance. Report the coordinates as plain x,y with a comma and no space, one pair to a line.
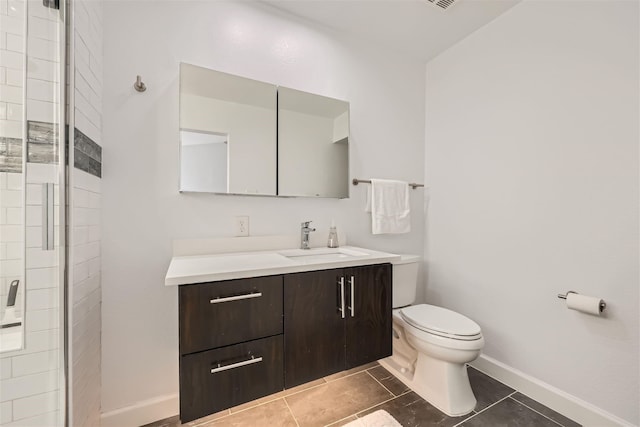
335,320
230,344
247,338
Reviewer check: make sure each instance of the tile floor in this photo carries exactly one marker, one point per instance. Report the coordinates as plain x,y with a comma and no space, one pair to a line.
341,398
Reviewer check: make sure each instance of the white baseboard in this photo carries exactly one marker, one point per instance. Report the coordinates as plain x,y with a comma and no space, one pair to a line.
145,412
558,400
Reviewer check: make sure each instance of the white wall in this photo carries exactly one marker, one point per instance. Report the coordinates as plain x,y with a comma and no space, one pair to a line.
143,211
532,159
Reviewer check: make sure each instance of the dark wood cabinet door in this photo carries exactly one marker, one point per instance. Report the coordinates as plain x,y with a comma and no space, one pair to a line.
314,340
368,323
211,381
228,312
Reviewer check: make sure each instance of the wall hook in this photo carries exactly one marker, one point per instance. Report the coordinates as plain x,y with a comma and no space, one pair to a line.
138,85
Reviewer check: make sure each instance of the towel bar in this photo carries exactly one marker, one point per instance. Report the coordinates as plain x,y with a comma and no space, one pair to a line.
357,181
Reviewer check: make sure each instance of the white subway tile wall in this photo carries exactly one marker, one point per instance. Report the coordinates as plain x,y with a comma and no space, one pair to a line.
31,378
33,383
85,234
11,223
12,240
12,29
86,295
30,389
88,68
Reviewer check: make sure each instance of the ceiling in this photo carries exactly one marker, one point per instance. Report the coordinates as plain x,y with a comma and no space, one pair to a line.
414,27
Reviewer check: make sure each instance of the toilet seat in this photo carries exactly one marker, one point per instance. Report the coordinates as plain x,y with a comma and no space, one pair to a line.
441,322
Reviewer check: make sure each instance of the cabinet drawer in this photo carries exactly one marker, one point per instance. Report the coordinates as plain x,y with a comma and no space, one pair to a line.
224,313
218,379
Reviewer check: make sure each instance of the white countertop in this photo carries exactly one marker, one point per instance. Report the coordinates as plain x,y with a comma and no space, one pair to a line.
185,270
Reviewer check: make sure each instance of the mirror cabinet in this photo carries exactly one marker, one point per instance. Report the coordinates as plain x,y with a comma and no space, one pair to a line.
242,136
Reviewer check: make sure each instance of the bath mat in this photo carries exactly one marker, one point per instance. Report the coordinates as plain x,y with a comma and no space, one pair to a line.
375,419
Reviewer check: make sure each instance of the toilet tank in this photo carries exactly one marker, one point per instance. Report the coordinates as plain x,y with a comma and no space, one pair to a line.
405,280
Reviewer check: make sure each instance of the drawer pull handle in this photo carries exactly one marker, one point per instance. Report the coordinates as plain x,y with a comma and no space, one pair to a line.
236,365
235,298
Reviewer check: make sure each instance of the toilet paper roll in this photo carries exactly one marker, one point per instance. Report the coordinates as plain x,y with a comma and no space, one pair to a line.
584,303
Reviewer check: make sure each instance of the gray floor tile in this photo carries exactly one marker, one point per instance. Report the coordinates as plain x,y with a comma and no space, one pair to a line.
508,413
486,389
351,371
344,398
387,379
274,413
328,403
167,422
539,407
411,410
343,421
278,395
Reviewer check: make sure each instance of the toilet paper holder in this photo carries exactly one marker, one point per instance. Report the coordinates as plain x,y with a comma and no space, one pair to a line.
603,304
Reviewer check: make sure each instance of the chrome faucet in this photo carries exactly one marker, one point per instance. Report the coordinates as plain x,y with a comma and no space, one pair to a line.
304,234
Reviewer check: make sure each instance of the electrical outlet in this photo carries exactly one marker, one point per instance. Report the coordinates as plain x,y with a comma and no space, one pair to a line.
242,226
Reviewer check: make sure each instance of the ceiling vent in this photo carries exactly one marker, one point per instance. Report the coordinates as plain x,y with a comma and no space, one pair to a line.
442,4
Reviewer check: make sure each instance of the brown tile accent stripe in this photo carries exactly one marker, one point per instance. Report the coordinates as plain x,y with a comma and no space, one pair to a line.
10,155
87,154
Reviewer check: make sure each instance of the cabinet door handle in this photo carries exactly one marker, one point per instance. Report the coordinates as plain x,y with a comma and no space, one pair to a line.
341,309
352,284
236,365
235,298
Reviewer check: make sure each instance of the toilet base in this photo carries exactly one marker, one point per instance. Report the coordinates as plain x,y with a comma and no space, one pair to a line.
444,385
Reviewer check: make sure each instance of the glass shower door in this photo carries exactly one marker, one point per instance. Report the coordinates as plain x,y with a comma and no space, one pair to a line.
32,213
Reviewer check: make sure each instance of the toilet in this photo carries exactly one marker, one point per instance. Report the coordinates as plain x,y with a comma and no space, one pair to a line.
431,345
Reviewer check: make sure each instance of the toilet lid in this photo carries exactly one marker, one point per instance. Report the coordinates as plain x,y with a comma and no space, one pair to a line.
440,321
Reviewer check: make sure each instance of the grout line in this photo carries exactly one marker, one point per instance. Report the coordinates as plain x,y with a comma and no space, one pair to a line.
370,407
347,376
340,420
291,412
376,380
237,412
269,401
305,389
490,406
292,394
538,412
206,422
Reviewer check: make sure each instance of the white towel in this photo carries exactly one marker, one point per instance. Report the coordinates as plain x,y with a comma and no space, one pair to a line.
390,207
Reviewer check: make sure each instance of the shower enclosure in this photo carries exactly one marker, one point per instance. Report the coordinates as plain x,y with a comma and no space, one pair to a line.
33,385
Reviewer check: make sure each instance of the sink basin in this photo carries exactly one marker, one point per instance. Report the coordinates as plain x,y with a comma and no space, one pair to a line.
321,254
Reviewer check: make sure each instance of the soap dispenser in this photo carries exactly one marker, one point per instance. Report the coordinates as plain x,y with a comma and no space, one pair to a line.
332,242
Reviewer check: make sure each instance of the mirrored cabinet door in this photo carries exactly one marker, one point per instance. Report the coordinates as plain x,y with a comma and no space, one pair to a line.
227,133
313,145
